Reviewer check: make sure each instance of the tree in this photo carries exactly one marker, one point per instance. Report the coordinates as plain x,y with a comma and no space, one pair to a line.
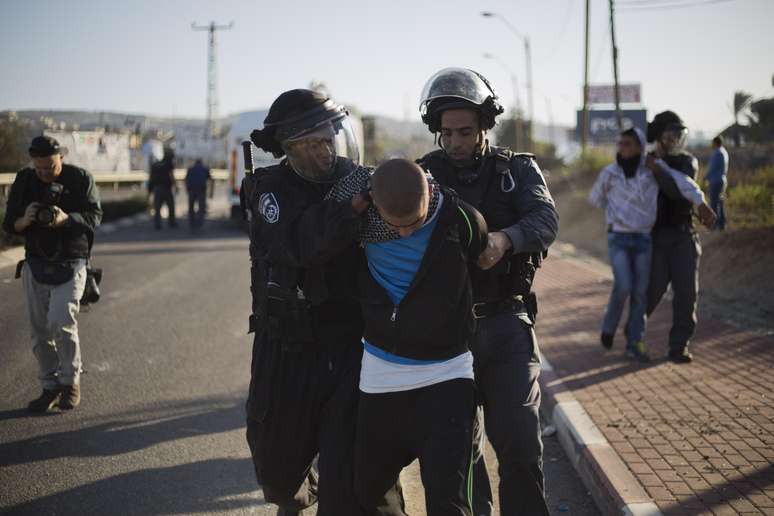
741,102
762,120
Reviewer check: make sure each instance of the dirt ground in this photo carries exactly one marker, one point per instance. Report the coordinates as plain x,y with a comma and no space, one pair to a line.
736,274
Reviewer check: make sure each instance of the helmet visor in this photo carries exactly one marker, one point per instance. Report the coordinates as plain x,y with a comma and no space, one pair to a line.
313,154
673,139
458,83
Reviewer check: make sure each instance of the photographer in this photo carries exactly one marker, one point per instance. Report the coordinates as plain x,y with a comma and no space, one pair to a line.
56,208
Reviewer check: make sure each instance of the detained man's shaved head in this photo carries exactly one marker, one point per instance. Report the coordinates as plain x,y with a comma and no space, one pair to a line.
401,194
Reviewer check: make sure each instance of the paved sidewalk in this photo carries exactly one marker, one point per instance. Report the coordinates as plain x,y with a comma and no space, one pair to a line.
699,438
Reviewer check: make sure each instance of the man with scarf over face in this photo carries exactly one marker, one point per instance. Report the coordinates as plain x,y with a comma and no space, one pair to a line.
628,190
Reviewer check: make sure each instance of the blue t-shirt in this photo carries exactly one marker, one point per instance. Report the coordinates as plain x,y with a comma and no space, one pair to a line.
393,264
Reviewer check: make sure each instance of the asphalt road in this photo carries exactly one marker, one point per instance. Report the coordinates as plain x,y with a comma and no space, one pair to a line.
161,426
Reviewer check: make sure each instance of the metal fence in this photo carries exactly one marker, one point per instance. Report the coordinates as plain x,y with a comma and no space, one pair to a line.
117,179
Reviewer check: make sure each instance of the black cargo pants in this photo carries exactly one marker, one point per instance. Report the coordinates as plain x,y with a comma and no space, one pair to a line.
676,253
433,424
302,404
507,366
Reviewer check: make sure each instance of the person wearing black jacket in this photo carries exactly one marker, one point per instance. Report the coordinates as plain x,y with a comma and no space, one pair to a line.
419,239
161,184
676,246
510,192
56,207
305,368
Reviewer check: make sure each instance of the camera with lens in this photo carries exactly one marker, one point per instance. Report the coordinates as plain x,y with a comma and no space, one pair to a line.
49,199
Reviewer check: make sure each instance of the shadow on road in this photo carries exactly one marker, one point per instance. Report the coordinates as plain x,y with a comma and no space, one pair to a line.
199,487
128,433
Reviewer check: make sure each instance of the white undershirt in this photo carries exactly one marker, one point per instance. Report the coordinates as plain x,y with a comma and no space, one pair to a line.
378,375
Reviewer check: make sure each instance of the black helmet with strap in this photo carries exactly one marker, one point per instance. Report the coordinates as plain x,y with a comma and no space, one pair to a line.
458,88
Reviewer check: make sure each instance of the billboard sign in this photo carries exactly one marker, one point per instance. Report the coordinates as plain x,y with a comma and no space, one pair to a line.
603,124
605,94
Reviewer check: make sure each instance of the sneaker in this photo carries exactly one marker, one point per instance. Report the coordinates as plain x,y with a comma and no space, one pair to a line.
71,397
45,401
680,356
607,340
638,352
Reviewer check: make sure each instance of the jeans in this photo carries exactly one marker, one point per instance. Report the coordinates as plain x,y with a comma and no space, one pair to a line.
718,201
630,257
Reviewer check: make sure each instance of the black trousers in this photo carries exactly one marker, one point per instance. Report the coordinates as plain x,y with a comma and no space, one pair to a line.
676,255
433,424
301,405
507,366
163,195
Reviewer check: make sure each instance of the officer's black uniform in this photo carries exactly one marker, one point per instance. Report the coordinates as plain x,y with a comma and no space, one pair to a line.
307,351
510,192
676,252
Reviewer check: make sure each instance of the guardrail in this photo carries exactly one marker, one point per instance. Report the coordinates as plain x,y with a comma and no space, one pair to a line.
119,178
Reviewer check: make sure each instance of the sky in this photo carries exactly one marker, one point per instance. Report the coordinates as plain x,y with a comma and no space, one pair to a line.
139,56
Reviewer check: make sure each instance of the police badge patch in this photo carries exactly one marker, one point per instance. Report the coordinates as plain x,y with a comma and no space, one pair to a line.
269,207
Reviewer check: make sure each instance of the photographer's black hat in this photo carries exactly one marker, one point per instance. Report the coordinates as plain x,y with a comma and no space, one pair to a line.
44,146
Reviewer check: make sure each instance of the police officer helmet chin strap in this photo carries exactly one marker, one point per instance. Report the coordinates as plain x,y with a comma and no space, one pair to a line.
468,172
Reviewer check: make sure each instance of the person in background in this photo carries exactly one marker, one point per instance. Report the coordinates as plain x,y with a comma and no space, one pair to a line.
162,185
676,246
197,179
717,170
628,190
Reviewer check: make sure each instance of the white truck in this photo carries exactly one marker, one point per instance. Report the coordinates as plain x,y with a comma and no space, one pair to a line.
240,131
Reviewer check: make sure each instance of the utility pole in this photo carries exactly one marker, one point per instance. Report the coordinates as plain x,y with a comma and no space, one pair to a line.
585,117
616,91
518,120
211,128
531,98
528,52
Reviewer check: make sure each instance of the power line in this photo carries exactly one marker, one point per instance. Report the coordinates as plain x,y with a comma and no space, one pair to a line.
568,12
622,6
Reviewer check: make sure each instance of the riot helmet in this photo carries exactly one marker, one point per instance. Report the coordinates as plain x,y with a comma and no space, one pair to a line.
313,132
668,130
458,88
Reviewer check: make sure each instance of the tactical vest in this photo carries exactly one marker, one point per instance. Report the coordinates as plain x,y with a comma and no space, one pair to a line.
493,194
676,212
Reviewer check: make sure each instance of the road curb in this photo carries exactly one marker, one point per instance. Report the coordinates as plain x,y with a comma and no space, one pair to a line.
612,485
13,255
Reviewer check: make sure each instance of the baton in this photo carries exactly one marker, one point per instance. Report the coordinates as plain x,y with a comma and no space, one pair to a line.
247,151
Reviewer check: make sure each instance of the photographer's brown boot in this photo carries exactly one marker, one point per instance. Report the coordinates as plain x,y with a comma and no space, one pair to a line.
71,397
45,401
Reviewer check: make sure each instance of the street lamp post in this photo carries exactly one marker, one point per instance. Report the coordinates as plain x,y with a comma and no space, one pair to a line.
528,55
516,103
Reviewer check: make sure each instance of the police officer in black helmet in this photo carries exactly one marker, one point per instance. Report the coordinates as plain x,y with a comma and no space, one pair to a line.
676,247
511,193
307,322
